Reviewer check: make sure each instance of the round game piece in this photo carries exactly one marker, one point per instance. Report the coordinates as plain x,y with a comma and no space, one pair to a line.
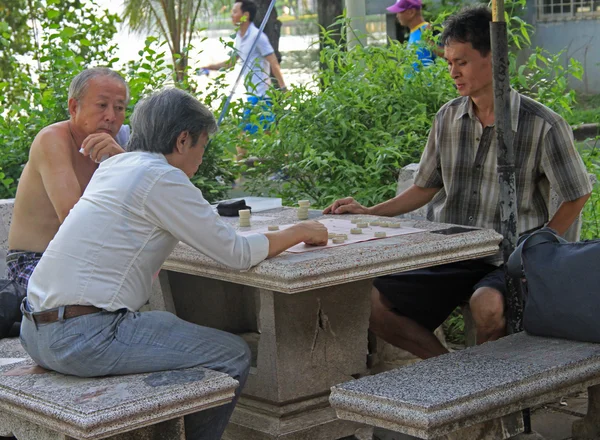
356,231
337,240
273,228
244,213
394,225
354,220
362,225
375,223
380,234
303,203
331,234
344,236
384,224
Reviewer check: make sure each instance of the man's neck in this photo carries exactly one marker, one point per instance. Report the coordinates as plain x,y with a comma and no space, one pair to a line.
483,104
76,135
244,27
416,21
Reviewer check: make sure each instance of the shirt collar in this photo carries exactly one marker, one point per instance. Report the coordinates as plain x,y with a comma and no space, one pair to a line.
466,108
423,23
249,31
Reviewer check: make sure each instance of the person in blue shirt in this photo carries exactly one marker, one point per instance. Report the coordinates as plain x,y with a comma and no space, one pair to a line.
408,13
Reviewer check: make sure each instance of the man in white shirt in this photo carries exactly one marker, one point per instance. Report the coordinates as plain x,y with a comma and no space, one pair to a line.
262,62
81,313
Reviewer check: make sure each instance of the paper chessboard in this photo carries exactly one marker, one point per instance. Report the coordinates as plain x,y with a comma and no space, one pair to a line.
339,226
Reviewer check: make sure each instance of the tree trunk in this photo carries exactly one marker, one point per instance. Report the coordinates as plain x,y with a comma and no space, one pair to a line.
273,26
329,11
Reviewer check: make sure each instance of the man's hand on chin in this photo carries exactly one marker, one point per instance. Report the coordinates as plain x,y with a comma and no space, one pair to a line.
100,146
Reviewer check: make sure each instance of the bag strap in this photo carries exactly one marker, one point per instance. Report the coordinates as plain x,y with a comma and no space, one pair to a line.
541,236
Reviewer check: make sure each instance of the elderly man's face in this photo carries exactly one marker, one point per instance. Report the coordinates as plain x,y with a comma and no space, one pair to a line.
194,154
471,72
101,109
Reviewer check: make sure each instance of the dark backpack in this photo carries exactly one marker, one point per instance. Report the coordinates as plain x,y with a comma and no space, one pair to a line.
11,296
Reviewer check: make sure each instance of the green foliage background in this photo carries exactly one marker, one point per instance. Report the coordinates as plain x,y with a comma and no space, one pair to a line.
365,115
34,95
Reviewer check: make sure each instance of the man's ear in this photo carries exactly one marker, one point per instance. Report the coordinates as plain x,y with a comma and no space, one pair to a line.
73,106
181,141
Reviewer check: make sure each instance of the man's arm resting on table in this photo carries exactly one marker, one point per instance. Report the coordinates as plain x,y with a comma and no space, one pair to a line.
276,70
410,199
52,159
566,214
309,232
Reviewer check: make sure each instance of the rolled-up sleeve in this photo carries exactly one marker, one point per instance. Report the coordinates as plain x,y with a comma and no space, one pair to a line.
177,206
429,174
562,164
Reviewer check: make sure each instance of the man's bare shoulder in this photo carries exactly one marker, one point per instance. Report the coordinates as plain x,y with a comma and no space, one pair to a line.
52,140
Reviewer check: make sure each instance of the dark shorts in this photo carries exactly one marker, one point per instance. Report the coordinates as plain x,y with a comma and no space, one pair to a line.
428,296
21,264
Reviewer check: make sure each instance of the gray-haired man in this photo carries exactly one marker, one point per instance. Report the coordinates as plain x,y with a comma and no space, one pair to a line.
57,173
97,271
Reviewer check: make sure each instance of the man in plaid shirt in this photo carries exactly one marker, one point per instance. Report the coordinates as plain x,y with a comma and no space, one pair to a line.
458,180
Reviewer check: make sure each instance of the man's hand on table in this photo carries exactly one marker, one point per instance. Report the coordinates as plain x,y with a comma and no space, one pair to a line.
314,233
100,146
309,232
346,206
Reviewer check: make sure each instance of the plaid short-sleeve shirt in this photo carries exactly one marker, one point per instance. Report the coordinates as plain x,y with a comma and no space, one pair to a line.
461,159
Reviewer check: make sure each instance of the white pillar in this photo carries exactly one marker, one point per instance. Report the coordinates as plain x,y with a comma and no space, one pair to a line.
356,12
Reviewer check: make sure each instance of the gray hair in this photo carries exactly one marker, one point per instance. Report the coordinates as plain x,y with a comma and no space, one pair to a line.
160,118
80,83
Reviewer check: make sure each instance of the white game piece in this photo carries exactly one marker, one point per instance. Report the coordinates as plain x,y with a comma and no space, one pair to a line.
380,234
362,225
337,240
273,228
356,231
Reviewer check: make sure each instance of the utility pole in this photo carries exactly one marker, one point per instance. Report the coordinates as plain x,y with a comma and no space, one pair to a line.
506,169
356,12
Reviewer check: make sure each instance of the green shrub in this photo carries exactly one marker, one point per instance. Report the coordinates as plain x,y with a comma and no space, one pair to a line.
368,114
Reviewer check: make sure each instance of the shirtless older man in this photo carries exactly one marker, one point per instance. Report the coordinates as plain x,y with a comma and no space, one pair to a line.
62,160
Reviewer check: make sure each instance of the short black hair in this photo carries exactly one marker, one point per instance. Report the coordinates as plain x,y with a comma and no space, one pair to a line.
249,7
471,25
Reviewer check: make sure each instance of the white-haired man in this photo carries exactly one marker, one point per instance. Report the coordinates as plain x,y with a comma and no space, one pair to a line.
62,159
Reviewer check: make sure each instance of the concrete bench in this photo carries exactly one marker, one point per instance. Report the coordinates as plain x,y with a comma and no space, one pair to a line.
51,406
477,393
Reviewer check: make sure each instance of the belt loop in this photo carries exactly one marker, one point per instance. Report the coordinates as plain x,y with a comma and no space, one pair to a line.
61,313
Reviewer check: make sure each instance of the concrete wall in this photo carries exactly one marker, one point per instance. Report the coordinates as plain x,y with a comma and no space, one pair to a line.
580,38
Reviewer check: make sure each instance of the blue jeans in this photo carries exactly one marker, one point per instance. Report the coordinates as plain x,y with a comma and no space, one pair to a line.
122,342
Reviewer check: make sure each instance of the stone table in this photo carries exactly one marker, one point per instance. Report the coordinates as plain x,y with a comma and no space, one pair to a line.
305,315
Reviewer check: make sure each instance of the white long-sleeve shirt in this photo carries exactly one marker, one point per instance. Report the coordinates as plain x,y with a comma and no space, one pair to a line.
133,213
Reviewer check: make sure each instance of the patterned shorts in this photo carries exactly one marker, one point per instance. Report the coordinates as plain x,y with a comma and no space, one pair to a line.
21,264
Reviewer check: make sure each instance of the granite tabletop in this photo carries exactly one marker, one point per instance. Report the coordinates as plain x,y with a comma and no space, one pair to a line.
297,272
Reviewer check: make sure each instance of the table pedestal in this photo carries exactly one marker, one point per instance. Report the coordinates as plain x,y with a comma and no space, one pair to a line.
302,343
